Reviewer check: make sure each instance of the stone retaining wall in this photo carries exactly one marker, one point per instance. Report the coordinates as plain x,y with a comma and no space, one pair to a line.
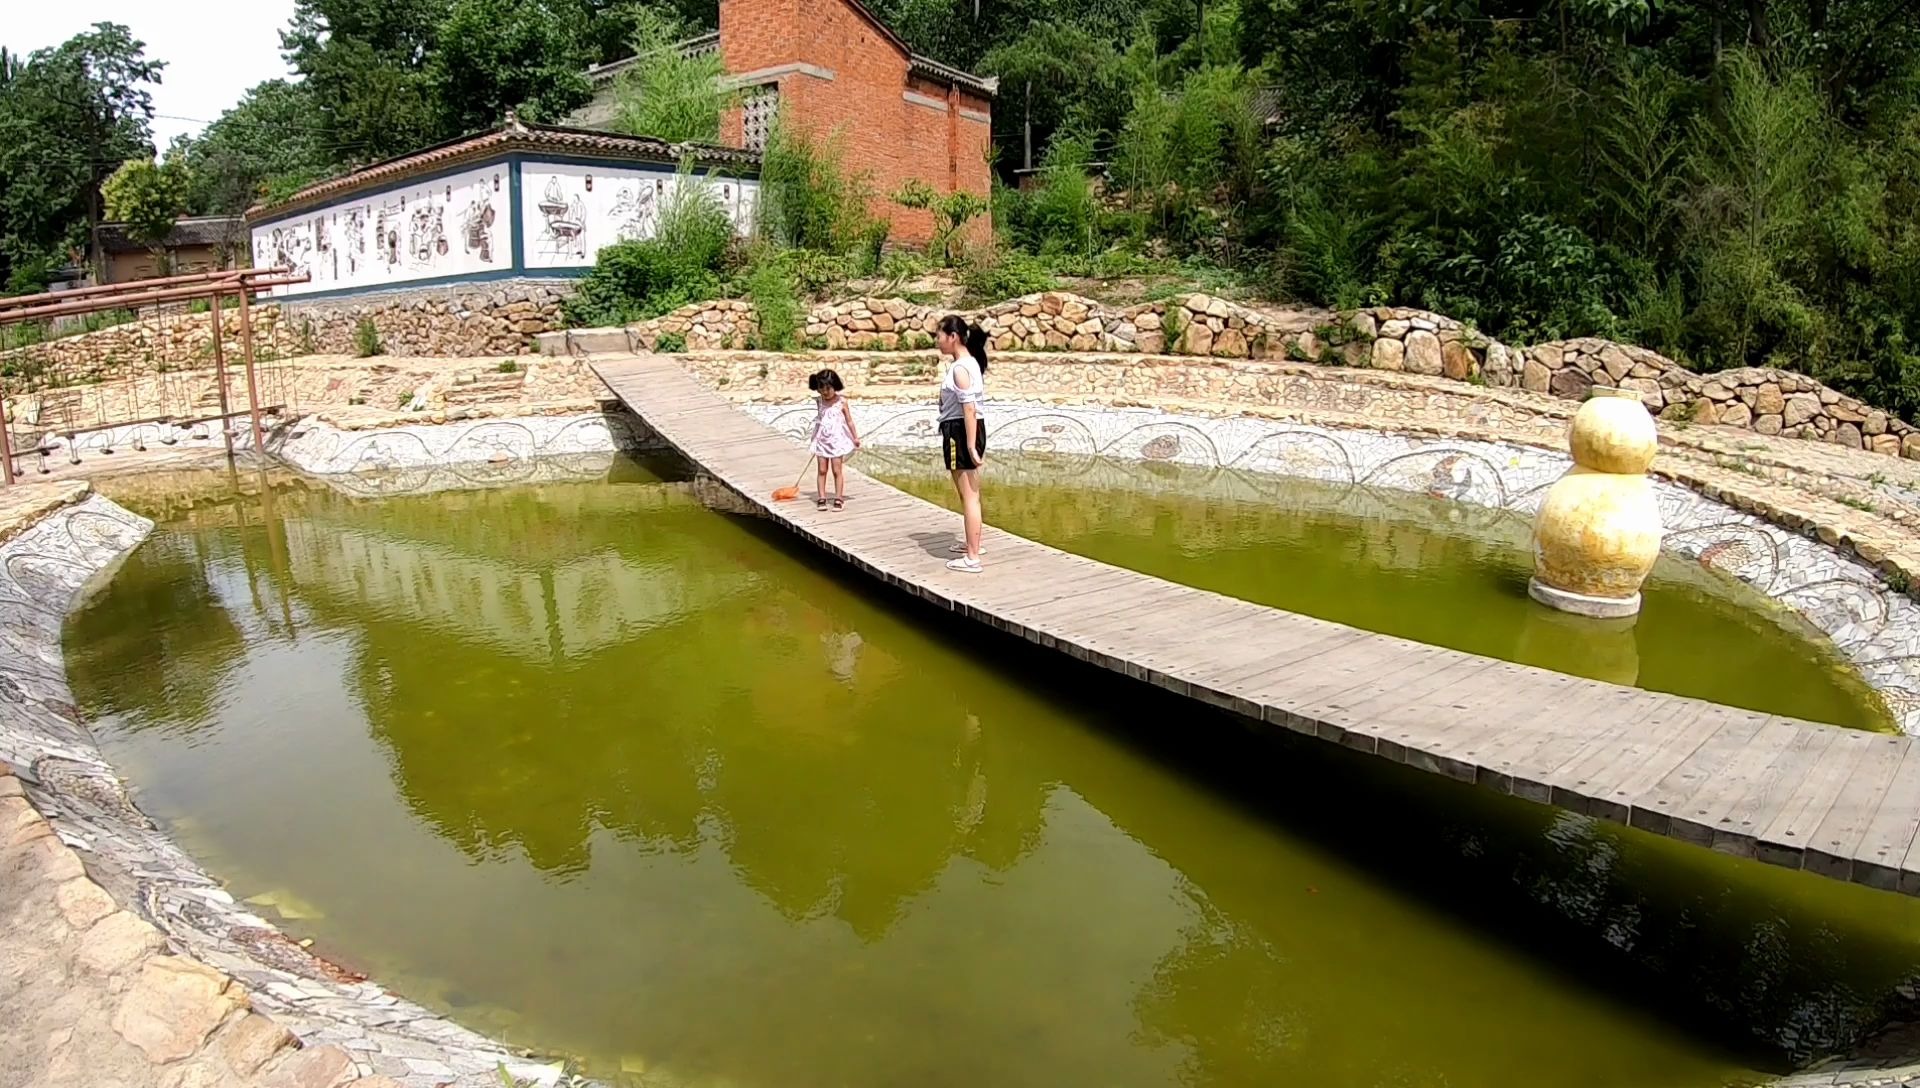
476,319
1767,401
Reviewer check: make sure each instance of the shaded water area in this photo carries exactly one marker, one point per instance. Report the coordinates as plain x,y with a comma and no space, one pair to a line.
604,773
1420,567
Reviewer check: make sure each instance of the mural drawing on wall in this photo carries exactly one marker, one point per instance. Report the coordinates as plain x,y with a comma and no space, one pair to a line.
636,210
476,223
445,227
573,211
356,235
565,219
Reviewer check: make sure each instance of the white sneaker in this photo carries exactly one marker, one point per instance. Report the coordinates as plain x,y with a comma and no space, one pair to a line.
965,565
960,548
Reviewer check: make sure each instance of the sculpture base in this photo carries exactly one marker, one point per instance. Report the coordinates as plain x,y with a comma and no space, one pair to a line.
1579,604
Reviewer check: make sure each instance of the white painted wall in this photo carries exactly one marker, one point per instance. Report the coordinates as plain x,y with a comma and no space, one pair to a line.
451,226
570,212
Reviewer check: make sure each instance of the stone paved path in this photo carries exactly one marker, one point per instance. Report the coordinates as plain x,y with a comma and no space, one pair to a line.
91,997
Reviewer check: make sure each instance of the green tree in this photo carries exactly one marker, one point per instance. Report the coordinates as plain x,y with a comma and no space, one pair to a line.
69,116
364,62
268,142
147,198
666,94
492,56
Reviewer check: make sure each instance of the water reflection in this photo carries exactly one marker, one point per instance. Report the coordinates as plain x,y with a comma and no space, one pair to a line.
646,785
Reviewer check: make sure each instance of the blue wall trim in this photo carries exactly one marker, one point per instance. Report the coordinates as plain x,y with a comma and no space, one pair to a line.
519,234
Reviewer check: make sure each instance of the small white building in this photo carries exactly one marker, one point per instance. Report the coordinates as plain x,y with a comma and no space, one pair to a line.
520,202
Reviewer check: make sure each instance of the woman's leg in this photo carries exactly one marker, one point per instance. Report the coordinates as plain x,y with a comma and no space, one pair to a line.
969,484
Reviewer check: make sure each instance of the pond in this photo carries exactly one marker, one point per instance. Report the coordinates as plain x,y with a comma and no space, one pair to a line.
1411,565
606,774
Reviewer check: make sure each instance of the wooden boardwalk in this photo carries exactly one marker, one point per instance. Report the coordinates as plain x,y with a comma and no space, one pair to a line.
1838,802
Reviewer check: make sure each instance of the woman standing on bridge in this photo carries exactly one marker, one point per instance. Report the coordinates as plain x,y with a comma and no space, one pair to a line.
963,431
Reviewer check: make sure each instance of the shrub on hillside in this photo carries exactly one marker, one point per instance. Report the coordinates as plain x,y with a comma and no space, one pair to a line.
681,263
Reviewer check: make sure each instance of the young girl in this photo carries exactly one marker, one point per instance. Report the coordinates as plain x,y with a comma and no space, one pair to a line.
834,436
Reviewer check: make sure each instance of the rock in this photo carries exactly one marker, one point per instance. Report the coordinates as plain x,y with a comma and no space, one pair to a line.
1389,354
1198,304
171,1008
313,1067
1850,411
1767,424
1456,360
1152,343
1876,424
1570,384
1649,390
376,1082
16,812
1705,411
1231,344
1848,435
1616,363
1310,347
44,858
1146,320
83,903
116,942
1397,329
1217,307
1535,377
1888,444
1423,353
251,1042
1800,408
1197,340
1716,391
1735,414
1768,401
1422,323
1363,325
1910,446
883,321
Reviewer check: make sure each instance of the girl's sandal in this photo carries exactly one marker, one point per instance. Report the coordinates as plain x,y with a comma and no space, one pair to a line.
839,504
820,503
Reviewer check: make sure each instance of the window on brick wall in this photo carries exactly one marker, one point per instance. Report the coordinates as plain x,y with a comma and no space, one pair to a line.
756,115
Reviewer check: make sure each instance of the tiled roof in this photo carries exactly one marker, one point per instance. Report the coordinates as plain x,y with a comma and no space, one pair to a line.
933,69
209,230
515,135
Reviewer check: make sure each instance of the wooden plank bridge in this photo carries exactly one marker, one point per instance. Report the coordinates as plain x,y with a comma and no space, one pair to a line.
1841,803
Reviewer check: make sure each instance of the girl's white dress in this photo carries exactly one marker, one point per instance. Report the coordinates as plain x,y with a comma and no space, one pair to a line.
831,438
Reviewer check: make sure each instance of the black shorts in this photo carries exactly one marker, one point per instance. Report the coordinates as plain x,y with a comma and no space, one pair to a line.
953,443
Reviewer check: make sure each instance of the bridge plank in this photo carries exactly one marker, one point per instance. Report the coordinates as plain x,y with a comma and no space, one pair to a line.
1839,802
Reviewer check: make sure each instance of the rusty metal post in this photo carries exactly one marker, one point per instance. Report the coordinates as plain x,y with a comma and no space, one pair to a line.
6,439
246,353
220,373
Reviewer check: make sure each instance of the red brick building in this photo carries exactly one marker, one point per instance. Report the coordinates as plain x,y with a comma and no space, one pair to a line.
835,70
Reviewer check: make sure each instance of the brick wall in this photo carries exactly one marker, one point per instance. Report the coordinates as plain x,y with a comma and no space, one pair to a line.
854,87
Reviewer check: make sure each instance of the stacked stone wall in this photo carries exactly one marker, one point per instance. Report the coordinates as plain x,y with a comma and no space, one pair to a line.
1764,400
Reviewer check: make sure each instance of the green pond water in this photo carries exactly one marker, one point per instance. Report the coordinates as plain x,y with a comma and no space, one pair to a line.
1418,567
609,775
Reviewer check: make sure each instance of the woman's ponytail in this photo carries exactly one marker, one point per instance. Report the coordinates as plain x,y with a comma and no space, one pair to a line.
977,344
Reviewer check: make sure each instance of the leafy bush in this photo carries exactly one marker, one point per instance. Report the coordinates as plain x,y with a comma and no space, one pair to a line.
951,212
772,289
681,263
1062,215
995,277
665,94
366,338
671,343
808,200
